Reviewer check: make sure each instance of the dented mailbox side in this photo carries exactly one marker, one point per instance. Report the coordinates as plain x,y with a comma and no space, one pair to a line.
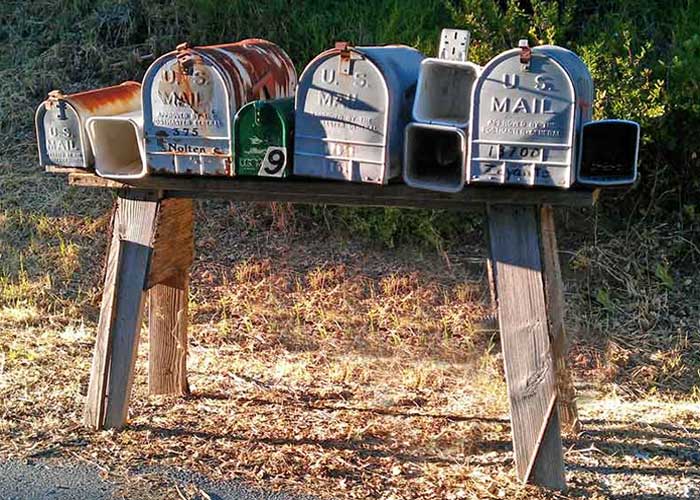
526,117
351,109
263,134
60,122
191,95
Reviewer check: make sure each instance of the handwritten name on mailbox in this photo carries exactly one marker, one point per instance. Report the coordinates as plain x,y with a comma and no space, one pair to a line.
191,96
529,105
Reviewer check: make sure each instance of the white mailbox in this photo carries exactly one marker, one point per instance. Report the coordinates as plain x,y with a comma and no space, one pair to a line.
352,106
436,142
529,106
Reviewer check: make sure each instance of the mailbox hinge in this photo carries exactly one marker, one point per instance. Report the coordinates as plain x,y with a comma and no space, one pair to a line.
525,54
454,45
345,64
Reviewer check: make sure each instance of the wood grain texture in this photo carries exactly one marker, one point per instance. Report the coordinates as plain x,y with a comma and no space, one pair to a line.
173,243
173,253
522,315
556,308
121,312
315,191
167,330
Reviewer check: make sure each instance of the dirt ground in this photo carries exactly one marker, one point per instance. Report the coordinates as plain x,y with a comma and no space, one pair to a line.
333,367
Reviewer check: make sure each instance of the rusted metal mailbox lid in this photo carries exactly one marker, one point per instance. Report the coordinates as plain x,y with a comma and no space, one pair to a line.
528,109
263,133
190,97
352,106
60,122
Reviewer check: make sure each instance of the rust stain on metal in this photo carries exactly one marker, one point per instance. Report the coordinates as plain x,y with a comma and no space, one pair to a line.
93,100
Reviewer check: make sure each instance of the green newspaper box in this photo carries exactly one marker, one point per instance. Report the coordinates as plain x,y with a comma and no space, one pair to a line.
262,134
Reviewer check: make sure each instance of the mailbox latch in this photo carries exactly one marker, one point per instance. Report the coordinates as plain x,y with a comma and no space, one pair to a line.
454,45
525,54
345,57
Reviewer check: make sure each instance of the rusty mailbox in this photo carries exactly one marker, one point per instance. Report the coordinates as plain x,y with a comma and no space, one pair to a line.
263,133
609,152
528,108
61,120
191,95
352,106
436,142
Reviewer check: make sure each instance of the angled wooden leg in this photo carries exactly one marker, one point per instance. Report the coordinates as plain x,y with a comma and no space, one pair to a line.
530,372
554,290
173,252
112,372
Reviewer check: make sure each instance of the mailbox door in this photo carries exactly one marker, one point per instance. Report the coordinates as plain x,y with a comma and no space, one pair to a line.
341,119
523,124
262,132
60,136
187,115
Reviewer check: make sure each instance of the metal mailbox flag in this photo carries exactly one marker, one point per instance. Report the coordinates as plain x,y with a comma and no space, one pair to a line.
529,106
609,152
191,95
60,122
263,133
352,106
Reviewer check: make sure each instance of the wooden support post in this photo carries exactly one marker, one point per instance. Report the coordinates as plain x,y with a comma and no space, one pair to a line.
554,291
530,372
173,252
129,255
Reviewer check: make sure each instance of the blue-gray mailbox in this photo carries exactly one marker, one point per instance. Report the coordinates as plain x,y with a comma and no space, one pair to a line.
529,107
609,151
352,106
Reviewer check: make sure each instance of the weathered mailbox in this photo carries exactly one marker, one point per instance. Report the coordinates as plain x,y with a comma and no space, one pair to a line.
263,133
190,97
352,106
436,144
61,119
529,106
609,152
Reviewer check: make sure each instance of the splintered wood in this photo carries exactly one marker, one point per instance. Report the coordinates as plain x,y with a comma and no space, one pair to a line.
529,367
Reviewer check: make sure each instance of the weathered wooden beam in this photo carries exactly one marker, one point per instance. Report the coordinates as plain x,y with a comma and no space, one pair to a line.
314,191
112,372
530,372
556,307
173,253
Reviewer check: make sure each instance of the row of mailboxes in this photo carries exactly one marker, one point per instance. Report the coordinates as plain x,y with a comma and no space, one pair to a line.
363,114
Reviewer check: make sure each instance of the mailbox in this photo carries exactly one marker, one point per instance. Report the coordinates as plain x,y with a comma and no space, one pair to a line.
609,152
263,133
61,119
191,95
118,146
435,157
352,106
436,145
529,106
445,84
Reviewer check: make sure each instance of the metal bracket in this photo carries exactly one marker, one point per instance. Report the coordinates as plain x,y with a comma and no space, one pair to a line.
525,54
454,45
345,65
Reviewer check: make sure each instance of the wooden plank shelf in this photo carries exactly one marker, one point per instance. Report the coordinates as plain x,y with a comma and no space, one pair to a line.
305,191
